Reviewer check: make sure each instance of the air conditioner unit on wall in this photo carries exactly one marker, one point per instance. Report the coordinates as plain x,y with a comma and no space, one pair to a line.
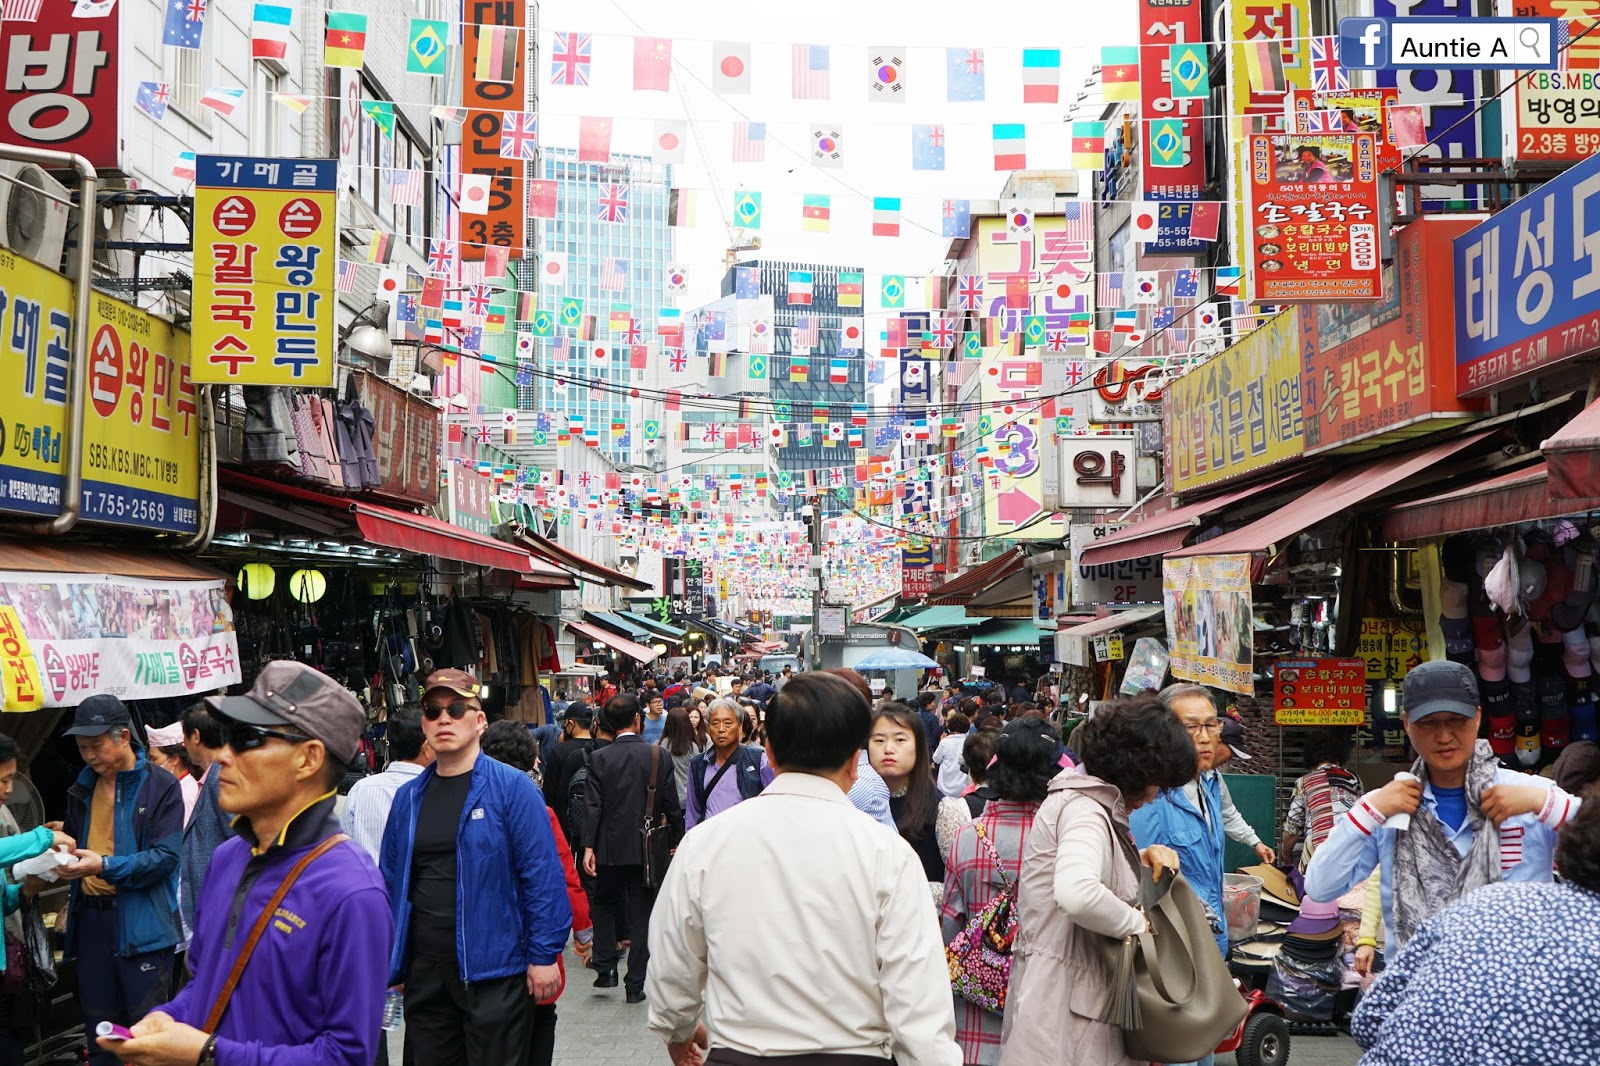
33,224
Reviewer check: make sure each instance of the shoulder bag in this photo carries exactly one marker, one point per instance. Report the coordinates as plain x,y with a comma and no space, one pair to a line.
220,1007
1171,993
656,832
980,955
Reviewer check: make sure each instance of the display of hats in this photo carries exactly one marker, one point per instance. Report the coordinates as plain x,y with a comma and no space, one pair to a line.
1316,921
1276,888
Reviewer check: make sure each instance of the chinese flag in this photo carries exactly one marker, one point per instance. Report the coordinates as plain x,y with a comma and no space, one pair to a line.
541,199
652,63
1017,295
432,292
1204,219
673,400
639,356
594,139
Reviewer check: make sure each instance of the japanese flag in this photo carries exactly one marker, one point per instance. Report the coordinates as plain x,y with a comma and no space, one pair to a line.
474,197
1143,220
553,270
775,434
389,285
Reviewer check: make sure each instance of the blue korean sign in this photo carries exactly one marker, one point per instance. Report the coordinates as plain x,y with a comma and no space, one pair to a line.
1528,283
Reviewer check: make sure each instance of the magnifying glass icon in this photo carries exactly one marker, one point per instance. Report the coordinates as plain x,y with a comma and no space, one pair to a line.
1533,40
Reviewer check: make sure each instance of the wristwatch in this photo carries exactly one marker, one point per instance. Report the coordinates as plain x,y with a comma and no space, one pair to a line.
208,1054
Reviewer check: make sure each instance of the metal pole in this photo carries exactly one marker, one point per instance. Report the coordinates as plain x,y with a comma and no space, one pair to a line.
815,531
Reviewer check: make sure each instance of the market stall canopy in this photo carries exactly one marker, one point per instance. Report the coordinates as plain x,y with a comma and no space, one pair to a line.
1166,532
1573,456
57,557
1343,492
587,569
1112,622
661,629
960,589
1009,631
713,629
1520,496
402,530
894,659
616,643
945,617
618,625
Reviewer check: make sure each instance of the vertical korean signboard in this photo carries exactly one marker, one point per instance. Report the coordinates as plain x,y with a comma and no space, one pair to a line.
1311,207
1448,97
60,89
1553,116
487,102
1172,142
1254,108
265,236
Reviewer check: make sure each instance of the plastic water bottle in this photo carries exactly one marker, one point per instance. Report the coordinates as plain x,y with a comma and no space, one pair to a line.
1394,821
394,1010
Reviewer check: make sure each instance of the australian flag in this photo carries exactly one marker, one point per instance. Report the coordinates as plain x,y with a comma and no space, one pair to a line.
185,20
1186,286
152,98
747,283
405,309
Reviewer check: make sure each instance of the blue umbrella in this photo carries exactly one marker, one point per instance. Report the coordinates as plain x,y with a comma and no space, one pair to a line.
895,659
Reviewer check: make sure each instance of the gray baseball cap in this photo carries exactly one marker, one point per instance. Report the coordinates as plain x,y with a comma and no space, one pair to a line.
1438,686
100,713
287,693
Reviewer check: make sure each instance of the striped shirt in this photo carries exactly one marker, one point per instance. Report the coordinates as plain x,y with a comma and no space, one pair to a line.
1319,798
366,808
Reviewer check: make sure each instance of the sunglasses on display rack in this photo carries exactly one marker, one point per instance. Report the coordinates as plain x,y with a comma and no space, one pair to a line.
458,709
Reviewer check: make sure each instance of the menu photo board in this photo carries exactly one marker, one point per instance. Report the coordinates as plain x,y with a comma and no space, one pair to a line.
1330,692
1210,620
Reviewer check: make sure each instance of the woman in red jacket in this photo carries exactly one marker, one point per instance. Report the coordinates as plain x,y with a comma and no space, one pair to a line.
512,743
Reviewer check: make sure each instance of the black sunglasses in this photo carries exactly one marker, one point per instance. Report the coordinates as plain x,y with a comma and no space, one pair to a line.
458,710
243,737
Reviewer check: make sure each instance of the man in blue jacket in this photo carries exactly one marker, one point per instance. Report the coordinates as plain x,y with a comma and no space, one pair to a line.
477,890
122,916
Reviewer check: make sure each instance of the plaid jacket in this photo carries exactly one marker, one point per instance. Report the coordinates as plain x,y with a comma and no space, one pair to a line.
971,882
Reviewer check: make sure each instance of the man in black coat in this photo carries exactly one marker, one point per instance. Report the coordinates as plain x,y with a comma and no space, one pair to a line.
616,798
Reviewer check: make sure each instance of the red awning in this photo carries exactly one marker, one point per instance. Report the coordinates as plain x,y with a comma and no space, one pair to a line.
962,588
1573,455
611,640
1520,496
588,569
405,531
1343,492
1166,532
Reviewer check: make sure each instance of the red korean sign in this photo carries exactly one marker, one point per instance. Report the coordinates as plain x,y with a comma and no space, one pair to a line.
1311,210
1319,692
1162,24
486,103
1349,111
60,89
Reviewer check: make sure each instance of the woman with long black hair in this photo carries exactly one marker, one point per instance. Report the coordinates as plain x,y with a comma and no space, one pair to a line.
898,750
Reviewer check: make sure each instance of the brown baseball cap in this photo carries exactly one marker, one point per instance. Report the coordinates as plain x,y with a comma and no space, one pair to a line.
287,693
458,681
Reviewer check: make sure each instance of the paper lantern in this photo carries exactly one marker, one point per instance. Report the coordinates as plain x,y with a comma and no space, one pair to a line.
256,580
307,586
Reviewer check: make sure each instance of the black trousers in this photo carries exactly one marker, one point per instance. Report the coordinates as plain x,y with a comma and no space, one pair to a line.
622,888
450,1023
112,987
543,1051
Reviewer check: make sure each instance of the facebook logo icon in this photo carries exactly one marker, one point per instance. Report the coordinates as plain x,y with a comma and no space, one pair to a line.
1363,43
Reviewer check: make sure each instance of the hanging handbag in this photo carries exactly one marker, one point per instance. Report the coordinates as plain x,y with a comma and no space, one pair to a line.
1171,993
656,832
980,955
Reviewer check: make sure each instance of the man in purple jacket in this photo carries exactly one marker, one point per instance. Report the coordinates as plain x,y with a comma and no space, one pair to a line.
312,991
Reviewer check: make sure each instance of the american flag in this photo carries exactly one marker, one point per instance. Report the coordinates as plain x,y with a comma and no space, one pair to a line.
346,281
1326,73
1108,289
613,203
812,70
806,332
407,187
570,59
613,275
969,292
749,142
1077,222
22,10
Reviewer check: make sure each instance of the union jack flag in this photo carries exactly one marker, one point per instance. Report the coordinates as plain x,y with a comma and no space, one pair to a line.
584,478
478,299
677,360
1326,73
634,333
969,292
1056,340
1075,371
711,434
613,203
944,333
441,256
570,59
518,135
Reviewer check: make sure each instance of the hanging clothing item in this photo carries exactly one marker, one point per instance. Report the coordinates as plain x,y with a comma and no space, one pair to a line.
461,639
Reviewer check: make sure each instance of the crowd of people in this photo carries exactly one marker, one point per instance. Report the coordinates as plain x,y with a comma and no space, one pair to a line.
226,905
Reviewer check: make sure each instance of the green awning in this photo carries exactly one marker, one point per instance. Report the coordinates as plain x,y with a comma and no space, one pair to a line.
896,615
944,617
1010,631
621,625
661,628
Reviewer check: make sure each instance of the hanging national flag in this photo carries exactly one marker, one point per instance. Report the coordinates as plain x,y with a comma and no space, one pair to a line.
1263,62
672,135
964,75
815,212
1327,75
886,216
346,42
852,287
811,72
1186,284
886,68
1124,322
746,283
1018,296
838,371
614,275
620,320
270,31
541,199
613,203
594,139
1205,218
730,67
799,290
1108,293
1169,146
425,47
473,197
570,58
183,169
969,292
441,257
1146,286
1019,221
381,247
295,103
956,218
222,101
186,20
1088,145
799,368
676,280
893,293
927,147
345,279
152,98
749,142
681,208
1010,146
852,334
827,146
652,64
1041,75
1228,281
1119,73
1163,318
747,210
1189,71
381,112
1144,221
807,333
496,57
519,135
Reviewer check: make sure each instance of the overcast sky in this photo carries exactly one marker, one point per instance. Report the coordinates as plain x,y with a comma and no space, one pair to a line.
877,136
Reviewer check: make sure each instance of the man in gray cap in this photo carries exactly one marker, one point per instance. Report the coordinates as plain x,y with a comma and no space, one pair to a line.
313,982
1472,822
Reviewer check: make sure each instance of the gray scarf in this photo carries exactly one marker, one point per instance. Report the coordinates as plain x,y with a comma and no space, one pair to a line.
1429,873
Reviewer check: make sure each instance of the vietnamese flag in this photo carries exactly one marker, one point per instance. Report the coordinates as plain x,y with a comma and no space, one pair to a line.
1088,145
652,63
594,139
1119,73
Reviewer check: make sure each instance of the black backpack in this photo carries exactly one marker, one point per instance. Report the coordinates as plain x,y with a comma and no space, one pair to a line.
577,785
